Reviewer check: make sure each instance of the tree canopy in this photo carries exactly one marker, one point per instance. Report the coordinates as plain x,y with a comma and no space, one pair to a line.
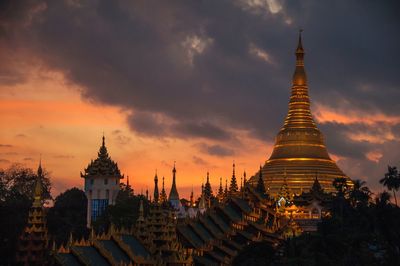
68,216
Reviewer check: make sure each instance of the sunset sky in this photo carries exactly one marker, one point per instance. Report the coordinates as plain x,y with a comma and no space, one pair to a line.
202,83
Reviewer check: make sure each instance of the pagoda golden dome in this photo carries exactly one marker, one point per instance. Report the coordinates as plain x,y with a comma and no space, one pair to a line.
299,153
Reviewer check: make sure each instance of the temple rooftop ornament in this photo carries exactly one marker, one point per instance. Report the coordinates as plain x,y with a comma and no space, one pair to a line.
102,165
299,151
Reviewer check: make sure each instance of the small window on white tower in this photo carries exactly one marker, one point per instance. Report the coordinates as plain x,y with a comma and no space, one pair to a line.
106,181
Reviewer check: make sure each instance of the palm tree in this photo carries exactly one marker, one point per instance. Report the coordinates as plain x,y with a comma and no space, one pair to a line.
391,181
360,193
340,184
382,199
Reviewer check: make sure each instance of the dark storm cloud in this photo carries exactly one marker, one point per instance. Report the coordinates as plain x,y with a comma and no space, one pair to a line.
199,161
339,143
156,125
190,69
215,150
201,129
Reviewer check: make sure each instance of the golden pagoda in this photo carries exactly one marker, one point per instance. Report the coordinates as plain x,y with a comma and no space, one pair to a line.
33,242
299,152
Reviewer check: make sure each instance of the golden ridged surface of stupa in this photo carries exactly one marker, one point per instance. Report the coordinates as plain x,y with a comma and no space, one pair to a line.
299,154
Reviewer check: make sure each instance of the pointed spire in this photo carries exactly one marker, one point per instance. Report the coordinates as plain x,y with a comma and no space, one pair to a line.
208,194
127,181
163,195
316,187
147,193
173,194
300,44
202,202
38,190
299,77
233,187
103,154
40,170
220,190
260,183
156,195
191,198
244,179
226,187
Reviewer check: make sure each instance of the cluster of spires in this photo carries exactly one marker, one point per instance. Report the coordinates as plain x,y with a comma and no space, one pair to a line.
206,189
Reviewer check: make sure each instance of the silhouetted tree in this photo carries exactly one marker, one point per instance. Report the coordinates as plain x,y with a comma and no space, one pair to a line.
255,254
358,232
125,211
392,181
340,185
68,215
359,194
20,179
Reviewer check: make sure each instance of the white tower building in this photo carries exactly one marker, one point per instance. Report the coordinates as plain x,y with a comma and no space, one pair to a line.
102,178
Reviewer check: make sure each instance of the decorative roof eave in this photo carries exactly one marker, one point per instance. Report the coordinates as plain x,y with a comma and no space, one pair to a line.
102,166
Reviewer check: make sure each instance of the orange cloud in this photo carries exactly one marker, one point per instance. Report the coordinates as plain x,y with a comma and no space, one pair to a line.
325,114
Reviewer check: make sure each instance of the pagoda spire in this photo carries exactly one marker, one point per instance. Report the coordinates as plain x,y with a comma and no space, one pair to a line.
299,77
173,194
226,187
191,198
208,194
38,191
233,186
103,153
260,183
156,194
202,202
299,105
163,195
244,179
40,170
220,194
33,242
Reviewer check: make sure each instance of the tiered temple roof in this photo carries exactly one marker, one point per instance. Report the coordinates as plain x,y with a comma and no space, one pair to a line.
102,165
117,247
216,237
33,242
